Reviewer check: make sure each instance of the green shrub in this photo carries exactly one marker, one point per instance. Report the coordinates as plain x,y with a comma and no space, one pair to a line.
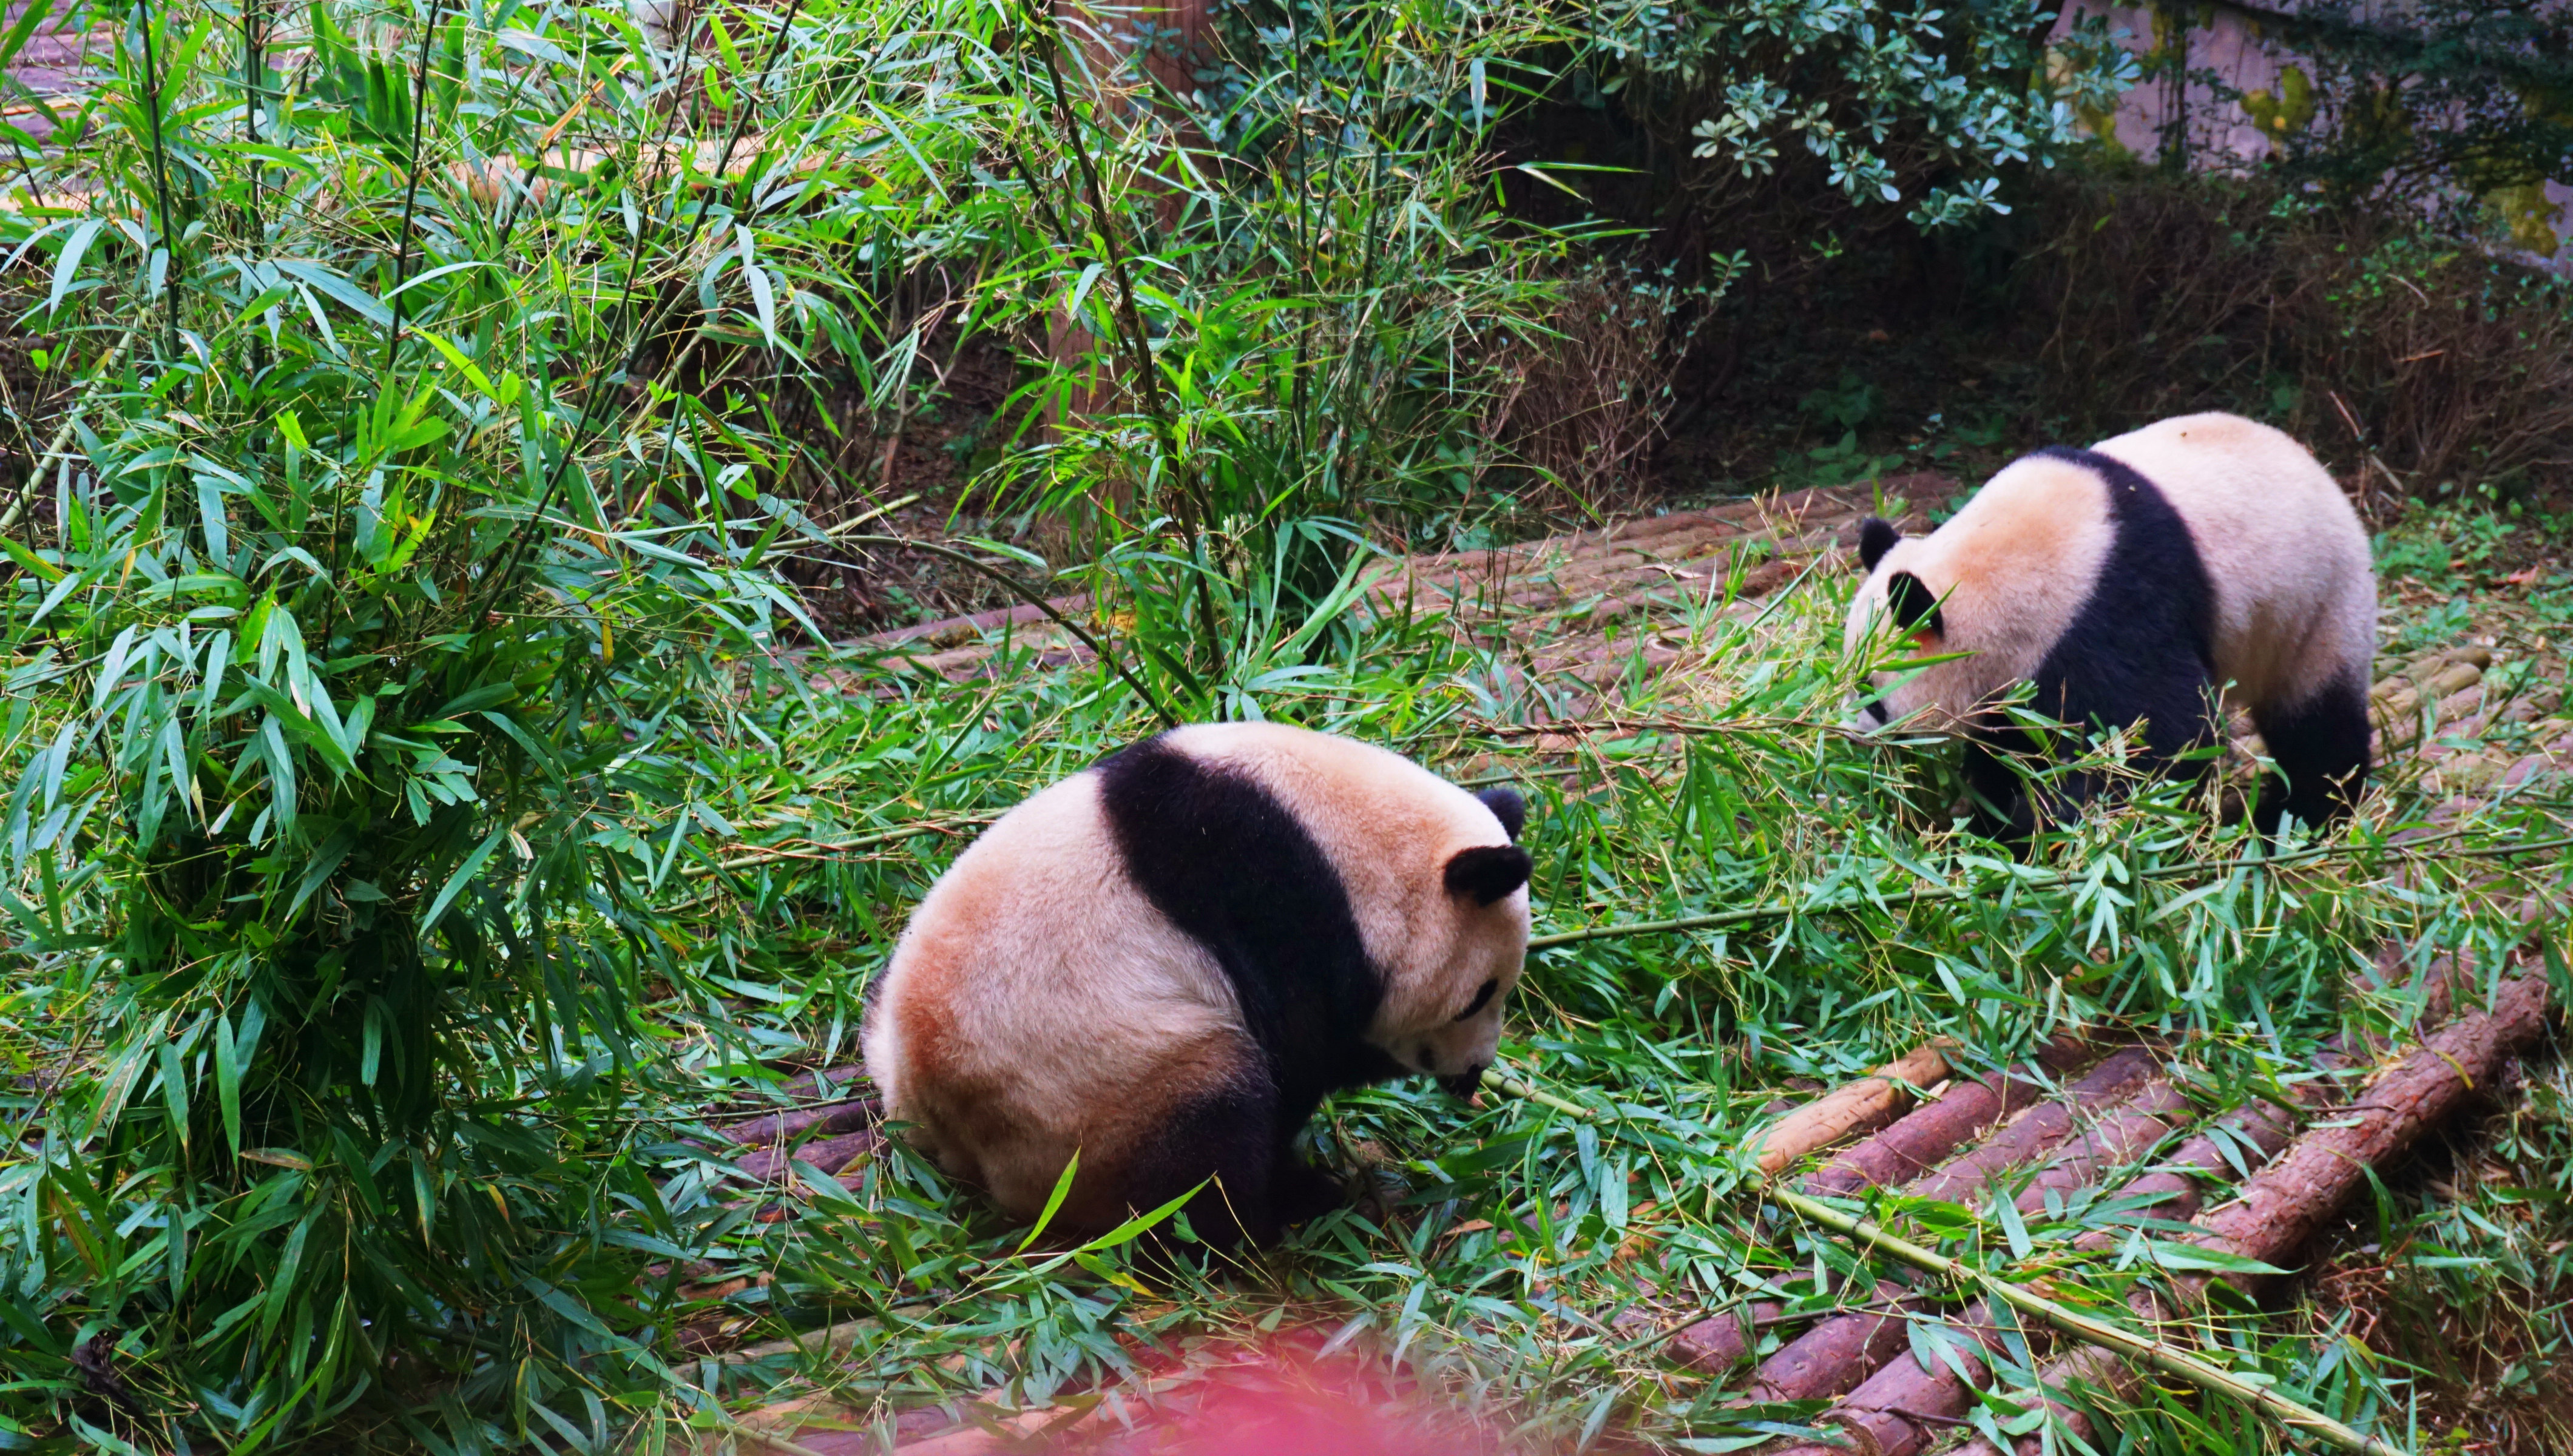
366,600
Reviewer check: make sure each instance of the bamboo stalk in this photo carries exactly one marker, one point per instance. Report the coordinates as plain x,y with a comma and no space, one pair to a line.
1501,1081
2161,1357
1933,894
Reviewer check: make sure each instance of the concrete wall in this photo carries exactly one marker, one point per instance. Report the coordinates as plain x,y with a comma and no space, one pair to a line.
2223,133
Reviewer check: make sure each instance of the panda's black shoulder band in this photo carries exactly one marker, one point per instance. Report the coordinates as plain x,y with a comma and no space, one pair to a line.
1232,867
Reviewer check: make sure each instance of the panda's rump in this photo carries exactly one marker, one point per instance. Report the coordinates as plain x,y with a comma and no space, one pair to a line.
1034,987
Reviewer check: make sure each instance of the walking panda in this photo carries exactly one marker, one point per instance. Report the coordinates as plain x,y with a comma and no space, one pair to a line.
1166,960
2126,581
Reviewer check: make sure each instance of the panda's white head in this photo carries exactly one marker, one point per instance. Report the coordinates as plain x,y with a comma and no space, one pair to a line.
1894,605
1992,591
1443,1001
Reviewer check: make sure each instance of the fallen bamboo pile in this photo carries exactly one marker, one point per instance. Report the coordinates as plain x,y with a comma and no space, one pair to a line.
1900,1407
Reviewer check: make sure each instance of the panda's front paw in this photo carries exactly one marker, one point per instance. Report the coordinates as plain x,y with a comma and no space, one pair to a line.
1298,1191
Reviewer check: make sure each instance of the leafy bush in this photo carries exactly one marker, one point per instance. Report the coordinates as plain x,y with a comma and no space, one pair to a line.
2418,366
2452,366
363,616
2431,108
1774,125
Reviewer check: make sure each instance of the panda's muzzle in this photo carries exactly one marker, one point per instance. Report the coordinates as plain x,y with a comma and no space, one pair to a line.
1464,1082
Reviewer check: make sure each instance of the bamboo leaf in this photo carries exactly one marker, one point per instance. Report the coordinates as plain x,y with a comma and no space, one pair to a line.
457,882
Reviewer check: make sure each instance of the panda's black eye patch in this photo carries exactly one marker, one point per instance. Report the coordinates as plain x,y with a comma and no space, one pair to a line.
1481,999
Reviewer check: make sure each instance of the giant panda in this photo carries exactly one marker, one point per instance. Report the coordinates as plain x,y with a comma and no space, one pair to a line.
1163,962
2129,581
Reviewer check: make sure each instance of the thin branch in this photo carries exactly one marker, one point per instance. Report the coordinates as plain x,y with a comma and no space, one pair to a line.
411,188
1194,507
593,423
1035,599
161,173
63,436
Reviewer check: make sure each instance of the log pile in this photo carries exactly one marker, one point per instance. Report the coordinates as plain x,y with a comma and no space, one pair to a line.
1897,1404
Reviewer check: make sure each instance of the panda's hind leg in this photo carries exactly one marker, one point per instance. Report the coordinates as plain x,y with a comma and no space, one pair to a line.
2321,746
1227,1136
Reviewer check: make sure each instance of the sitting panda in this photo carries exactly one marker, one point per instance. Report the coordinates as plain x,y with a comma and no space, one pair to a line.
1166,960
2131,581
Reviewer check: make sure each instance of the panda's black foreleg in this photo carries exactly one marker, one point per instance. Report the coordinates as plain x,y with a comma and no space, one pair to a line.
2321,747
1298,1191
2001,809
1227,1139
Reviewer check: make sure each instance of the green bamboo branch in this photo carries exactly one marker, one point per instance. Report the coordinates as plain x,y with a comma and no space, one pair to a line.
1933,894
2164,1357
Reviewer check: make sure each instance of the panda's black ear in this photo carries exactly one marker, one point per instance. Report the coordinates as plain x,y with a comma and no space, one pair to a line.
1876,537
1915,606
1488,873
1507,807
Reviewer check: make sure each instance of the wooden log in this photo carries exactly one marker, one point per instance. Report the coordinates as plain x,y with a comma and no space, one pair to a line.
1909,1148
2036,1130
2277,1211
1914,1142
1922,1137
770,1128
1844,1350
1904,1407
1871,1101
2280,1206
2118,1138
830,1154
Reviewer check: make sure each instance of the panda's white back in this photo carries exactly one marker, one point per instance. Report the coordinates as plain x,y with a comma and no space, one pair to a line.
2294,586
1036,972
